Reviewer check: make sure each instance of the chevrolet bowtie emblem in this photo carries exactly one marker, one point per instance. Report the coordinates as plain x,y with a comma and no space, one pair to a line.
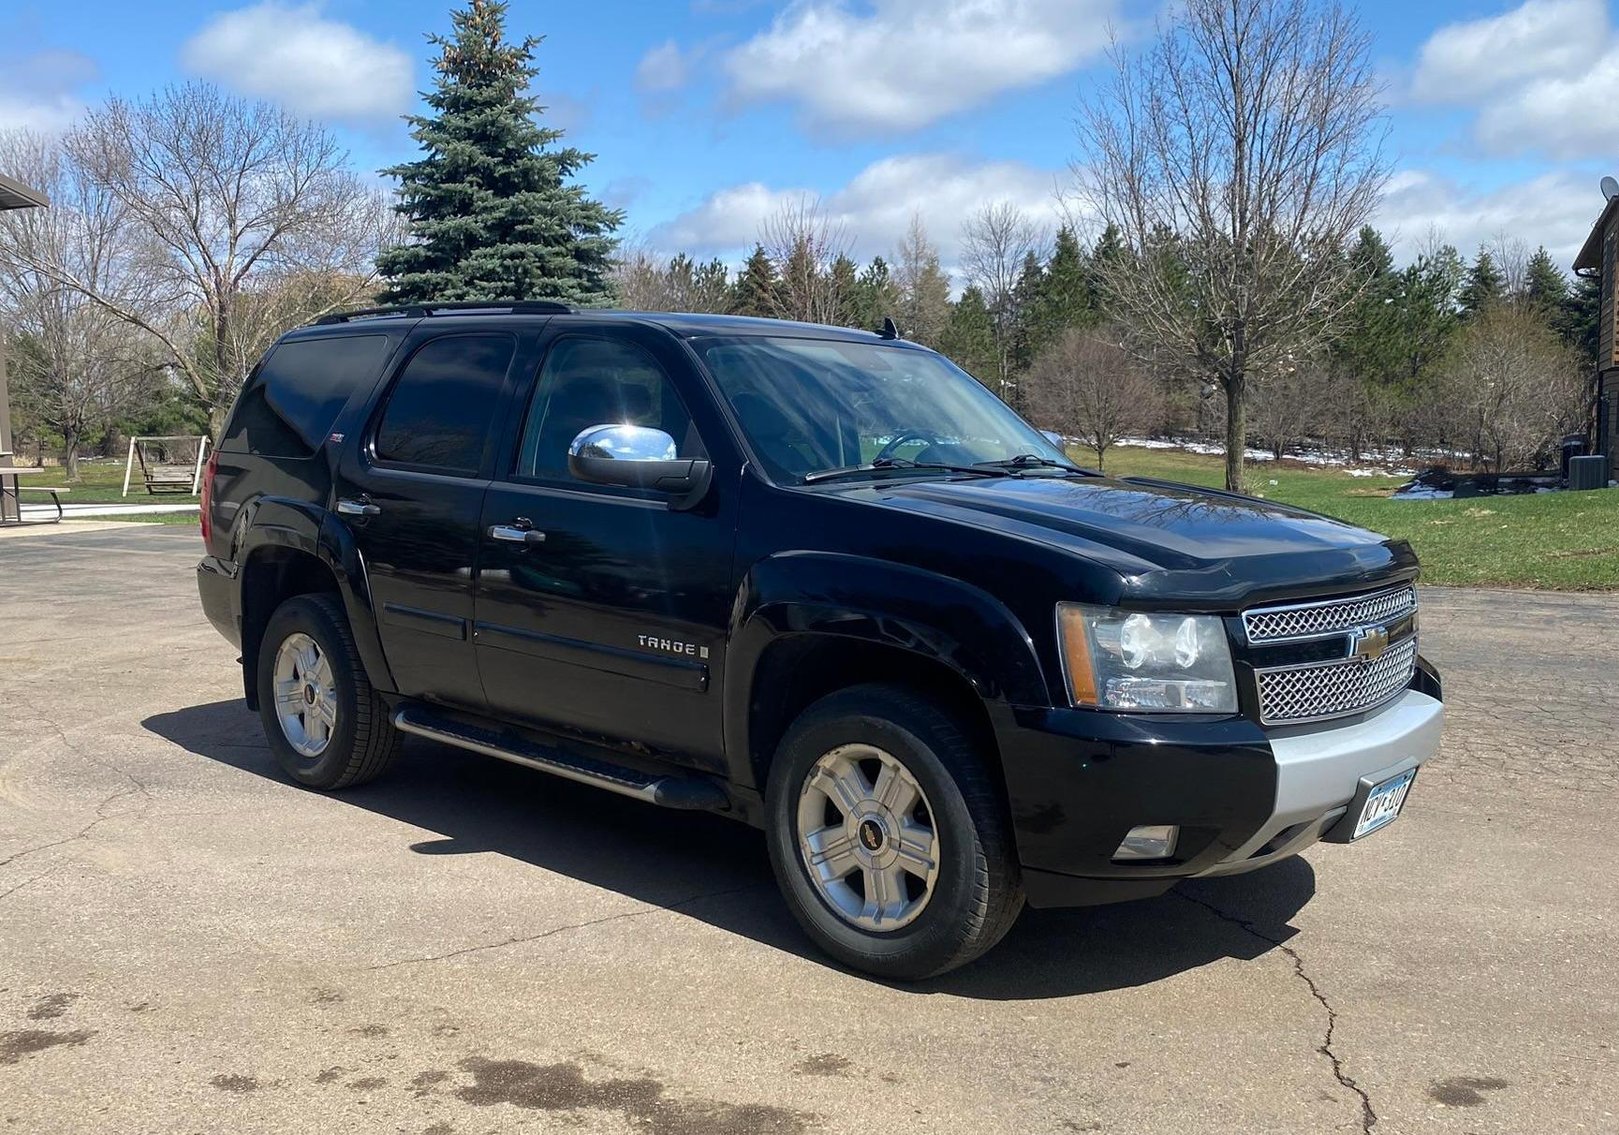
1368,643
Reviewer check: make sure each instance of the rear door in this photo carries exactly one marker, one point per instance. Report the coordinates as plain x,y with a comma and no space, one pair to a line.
411,492
612,621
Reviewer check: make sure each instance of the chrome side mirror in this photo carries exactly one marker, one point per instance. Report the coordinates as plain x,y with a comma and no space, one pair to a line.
638,457
623,443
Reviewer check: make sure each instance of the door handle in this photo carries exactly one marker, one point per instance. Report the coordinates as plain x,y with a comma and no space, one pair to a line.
515,534
361,507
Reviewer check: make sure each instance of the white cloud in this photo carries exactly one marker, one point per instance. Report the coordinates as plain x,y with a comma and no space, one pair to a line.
662,69
1564,117
313,65
901,64
1542,76
874,208
41,92
1541,38
1555,209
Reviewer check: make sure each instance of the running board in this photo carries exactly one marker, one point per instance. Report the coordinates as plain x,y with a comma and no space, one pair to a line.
690,793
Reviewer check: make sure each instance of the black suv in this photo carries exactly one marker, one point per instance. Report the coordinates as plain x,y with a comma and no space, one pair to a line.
816,579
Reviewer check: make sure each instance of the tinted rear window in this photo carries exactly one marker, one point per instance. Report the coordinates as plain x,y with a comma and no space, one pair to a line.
289,406
439,410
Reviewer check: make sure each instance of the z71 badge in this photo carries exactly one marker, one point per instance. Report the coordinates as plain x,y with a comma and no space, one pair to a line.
672,646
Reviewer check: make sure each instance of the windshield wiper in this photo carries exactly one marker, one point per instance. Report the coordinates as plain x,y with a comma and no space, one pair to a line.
902,463
1035,461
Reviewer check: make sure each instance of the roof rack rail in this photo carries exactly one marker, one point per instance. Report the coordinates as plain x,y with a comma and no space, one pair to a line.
461,307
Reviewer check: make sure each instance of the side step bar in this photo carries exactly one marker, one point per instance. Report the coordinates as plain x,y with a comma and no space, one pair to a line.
691,793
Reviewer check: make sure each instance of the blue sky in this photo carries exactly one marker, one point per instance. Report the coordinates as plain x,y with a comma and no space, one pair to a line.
707,114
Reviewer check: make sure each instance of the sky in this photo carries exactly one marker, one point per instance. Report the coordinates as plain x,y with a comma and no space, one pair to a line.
707,115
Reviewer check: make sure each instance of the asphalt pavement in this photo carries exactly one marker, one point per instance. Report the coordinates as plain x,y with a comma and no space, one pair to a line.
188,943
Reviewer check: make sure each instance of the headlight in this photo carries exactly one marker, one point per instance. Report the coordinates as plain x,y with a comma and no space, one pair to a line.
1131,660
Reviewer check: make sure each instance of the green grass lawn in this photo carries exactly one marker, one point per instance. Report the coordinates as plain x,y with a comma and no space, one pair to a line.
1563,541
100,482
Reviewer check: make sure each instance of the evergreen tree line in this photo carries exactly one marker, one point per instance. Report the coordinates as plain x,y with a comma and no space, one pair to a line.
1483,363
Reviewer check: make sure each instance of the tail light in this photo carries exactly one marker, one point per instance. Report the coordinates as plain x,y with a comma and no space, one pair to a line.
206,501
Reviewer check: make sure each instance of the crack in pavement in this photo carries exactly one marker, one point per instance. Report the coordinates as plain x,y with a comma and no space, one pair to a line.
1368,1114
136,787
678,905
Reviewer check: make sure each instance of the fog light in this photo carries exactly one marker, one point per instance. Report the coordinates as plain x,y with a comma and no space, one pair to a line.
1149,841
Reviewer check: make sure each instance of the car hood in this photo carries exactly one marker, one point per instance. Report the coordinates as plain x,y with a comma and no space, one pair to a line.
1167,539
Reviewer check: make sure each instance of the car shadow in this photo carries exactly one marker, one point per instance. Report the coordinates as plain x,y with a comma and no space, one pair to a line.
716,870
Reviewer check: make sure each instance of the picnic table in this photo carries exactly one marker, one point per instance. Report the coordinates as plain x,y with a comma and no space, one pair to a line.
11,494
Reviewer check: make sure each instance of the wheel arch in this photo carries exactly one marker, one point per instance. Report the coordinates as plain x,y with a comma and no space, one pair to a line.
810,624
290,548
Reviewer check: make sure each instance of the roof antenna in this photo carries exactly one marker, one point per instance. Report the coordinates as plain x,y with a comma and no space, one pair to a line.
889,329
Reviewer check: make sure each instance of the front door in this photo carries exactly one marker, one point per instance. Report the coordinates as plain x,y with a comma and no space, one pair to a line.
411,492
600,609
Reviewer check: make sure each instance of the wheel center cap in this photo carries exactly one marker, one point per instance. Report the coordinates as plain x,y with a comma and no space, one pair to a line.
309,695
872,836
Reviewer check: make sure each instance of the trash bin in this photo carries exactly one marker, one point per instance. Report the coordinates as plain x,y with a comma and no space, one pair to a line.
1573,446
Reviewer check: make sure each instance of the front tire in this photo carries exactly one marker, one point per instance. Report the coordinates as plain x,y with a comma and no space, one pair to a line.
889,837
326,726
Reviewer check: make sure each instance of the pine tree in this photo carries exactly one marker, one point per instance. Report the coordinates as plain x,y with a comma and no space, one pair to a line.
1370,348
1427,313
1583,317
1545,287
845,292
492,216
969,338
757,287
1063,297
1484,285
875,296
1109,249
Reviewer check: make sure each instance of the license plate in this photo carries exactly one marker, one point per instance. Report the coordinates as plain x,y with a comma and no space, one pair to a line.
1384,803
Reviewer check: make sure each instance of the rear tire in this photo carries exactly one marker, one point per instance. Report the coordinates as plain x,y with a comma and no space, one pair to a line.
326,726
870,786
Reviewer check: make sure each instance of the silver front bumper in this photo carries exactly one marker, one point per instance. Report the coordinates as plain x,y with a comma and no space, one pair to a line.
1318,774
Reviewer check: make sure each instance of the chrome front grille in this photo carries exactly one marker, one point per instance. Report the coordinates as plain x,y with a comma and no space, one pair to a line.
1368,671
1296,621
1331,689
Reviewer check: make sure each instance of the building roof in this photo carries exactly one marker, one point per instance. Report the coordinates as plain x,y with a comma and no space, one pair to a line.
1590,257
16,195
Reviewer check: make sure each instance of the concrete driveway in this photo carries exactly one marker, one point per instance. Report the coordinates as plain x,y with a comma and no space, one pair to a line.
190,944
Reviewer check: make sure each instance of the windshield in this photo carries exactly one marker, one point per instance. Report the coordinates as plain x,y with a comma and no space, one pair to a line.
810,405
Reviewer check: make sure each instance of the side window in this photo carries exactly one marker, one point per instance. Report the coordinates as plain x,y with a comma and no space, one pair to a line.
597,382
297,392
440,408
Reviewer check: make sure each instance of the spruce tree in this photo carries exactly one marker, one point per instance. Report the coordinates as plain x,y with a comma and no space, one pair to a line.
1062,298
969,339
1583,317
492,214
1484,285
757,287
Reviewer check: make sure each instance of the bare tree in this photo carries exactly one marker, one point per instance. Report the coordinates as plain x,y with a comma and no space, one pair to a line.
995,244
1086,385
220,194
1510,387
78,366
805,243
1238,156
646,282
924,287
1295,401
639,280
